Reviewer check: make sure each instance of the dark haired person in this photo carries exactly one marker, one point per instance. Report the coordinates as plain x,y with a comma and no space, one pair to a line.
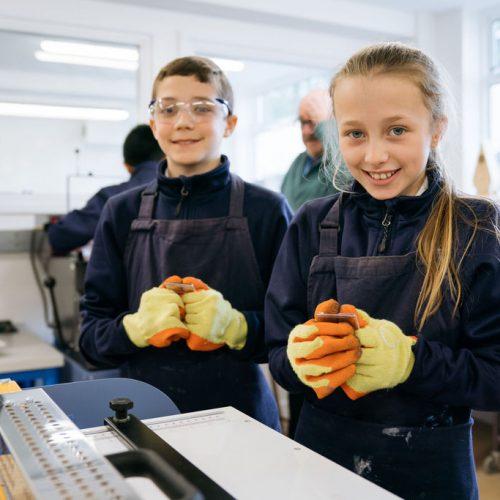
141,154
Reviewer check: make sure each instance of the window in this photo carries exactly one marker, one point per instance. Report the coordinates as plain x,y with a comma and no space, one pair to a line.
51,159
278,138
267,96
493,98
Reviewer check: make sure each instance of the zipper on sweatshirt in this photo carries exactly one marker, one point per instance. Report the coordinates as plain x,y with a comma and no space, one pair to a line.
386,225
184,195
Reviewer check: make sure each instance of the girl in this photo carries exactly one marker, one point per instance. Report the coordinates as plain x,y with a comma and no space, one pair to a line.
405,248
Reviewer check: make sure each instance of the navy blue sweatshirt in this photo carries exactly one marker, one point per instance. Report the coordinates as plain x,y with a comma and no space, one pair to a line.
103,339
459,368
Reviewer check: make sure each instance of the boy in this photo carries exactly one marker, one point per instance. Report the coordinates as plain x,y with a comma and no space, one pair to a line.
195,220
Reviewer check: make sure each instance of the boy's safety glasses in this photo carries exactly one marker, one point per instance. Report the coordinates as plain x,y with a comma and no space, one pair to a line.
203,110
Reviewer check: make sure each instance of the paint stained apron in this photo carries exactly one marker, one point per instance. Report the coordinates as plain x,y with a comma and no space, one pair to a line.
414,448
220,252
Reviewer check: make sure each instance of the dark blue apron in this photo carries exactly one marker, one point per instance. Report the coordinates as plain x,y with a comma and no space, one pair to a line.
220,252
409,446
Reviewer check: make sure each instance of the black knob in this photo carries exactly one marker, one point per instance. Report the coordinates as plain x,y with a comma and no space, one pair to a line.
49,282
121,406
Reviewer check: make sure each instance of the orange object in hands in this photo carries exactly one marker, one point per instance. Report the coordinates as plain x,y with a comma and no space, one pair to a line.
330,311
190,285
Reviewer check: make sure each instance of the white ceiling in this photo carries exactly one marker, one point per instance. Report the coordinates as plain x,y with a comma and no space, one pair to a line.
407,5
19,71
430,5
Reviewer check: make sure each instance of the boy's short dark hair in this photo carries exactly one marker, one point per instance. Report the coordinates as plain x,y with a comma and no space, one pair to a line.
204,69
140,145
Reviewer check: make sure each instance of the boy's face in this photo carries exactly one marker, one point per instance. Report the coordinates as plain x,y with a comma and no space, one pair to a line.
191,143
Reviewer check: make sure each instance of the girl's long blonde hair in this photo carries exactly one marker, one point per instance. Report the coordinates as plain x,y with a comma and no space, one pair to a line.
437,249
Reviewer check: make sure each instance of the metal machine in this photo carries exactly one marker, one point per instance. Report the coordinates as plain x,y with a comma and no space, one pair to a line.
60,280
212,454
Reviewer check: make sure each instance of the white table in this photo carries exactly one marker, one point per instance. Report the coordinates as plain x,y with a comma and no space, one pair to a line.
27,358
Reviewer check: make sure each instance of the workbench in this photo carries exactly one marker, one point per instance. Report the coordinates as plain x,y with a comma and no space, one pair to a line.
29,360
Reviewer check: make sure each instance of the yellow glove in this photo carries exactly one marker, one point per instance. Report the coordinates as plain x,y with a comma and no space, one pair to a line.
386,360
212,320
157,321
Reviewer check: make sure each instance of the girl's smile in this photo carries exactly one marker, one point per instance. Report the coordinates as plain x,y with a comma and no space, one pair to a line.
386,133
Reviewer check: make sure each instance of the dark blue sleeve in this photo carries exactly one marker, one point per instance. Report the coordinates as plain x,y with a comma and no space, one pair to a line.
468,376
103,339
77,227
286,299
267,232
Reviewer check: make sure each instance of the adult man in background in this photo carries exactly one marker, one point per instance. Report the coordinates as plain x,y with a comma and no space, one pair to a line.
141,153
305,179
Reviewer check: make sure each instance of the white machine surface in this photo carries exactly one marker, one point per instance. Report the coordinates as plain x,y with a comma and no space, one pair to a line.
241,457
248,459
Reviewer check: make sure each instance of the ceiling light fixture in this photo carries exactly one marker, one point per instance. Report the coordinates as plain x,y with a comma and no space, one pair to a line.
86,61
229,65
62,112
105,56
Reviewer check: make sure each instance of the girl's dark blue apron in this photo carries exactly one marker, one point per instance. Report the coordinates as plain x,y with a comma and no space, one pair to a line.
407,445
220,252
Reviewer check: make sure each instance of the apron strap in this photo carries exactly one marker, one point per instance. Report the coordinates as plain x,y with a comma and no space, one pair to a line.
329,229
236,196
148,201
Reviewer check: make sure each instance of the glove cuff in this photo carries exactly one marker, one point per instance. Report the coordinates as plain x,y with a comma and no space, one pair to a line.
411,341
235,335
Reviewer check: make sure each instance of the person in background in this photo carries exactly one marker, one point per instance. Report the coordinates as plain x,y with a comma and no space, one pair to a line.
174,290
141,154
389,389
306,179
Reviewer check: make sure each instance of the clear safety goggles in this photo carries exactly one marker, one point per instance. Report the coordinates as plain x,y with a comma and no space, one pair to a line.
203,110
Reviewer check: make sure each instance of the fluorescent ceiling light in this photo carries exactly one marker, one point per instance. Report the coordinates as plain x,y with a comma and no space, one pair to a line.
62,112
90,50
229,65
105,56
86,61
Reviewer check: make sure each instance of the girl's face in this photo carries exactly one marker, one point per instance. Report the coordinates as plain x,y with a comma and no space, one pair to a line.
385,133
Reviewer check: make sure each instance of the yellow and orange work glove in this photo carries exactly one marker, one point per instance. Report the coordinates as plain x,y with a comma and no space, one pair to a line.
387,358
158,321
322,353
211,319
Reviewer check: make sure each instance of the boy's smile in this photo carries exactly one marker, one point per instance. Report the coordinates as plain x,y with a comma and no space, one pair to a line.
191,146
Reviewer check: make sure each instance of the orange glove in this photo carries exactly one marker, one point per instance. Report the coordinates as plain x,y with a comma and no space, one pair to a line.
323,354
188,285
